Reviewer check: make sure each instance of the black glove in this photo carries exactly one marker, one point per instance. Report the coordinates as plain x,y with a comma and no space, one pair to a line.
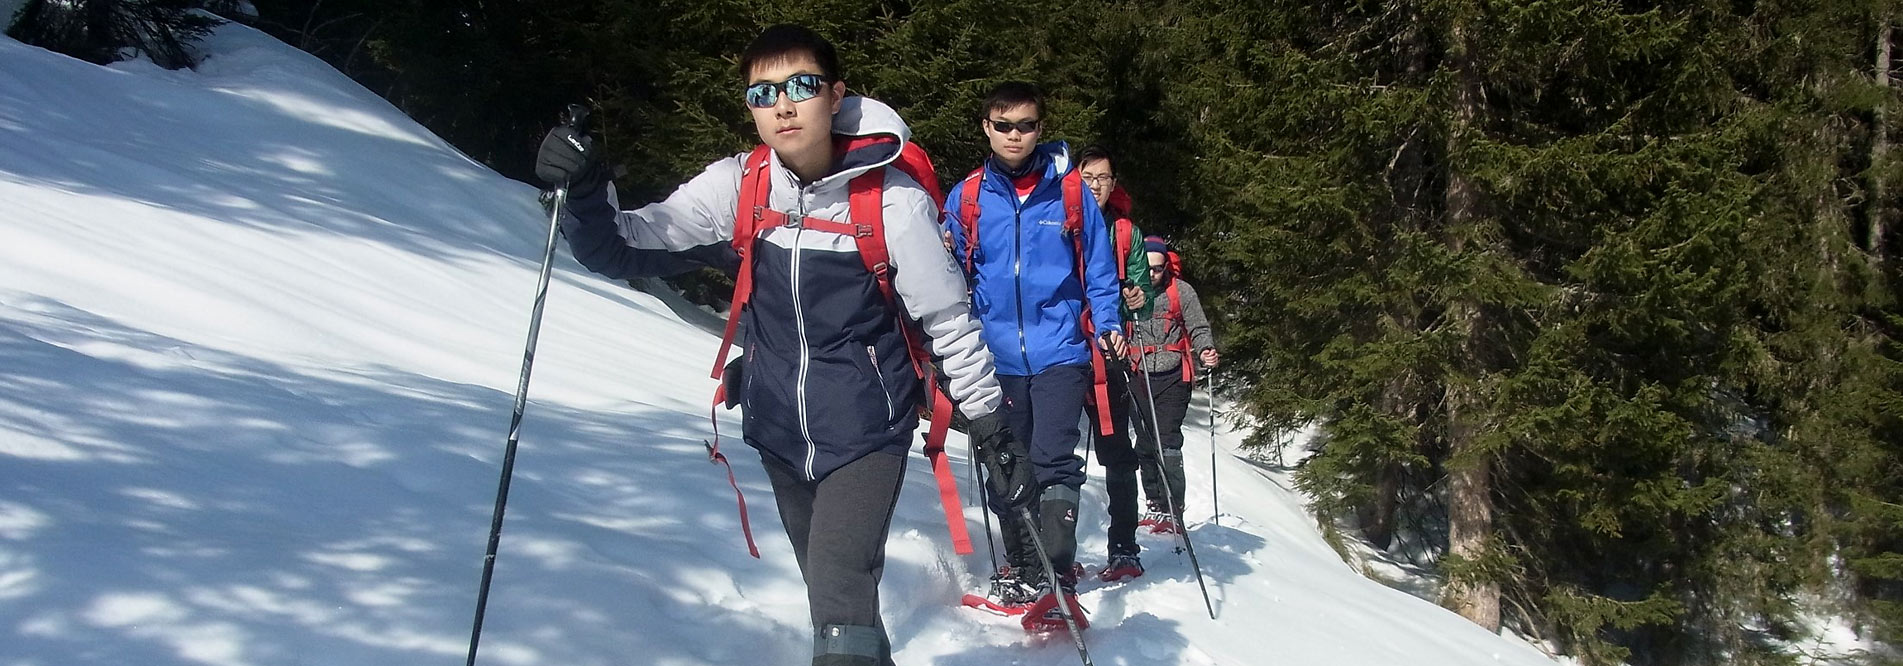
570,157
1006,460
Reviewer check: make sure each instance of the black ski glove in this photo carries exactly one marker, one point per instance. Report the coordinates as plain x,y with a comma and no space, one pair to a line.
1006,460
570,157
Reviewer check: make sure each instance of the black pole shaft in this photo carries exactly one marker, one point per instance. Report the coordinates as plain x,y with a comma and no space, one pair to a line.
984,504
1215,499
1169,494
515,425
1064,601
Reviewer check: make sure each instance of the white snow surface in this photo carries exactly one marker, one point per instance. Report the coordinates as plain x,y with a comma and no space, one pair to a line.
259,339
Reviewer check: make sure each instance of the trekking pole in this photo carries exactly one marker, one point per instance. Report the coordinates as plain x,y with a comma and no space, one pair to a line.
1215,500
577,118
1064,601
984,503
1169,494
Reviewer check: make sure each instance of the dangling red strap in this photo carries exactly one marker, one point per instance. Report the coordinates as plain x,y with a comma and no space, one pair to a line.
941,469
866,200
714,455
1073,185
755,183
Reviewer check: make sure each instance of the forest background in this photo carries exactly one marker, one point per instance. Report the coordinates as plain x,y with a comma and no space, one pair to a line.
1593,302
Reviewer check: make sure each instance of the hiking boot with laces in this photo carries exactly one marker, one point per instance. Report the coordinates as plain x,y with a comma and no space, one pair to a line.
1121,566
1009,588
1044,614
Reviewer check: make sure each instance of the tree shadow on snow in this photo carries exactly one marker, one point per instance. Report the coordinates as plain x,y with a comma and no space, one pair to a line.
163,503
291,156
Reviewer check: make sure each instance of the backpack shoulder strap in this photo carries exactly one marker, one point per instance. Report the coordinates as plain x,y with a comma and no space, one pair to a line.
1073,185
915,162
755,186
968,213
1124,233
749,214
1181,345
1073,202
867,200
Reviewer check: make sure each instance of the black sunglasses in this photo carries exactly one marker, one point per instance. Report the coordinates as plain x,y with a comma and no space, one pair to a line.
1024,126
798,88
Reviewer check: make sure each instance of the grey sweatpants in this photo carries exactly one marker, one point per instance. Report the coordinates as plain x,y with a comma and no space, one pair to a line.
838,527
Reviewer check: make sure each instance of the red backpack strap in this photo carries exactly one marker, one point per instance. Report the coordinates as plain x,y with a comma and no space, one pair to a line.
1182,344
915,162
1073,185
866,199
1124,233
968,214
1185,346
755,184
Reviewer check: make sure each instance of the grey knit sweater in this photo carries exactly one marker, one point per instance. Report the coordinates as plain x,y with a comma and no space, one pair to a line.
1160,330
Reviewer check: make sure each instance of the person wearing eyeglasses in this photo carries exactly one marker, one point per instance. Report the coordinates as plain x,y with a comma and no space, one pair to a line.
1114,450
1169,345
1035,273
830,396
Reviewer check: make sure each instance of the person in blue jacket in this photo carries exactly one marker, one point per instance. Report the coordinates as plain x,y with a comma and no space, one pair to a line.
1021,260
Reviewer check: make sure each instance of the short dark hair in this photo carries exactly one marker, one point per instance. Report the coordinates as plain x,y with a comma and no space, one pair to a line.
1092,153
1014,93
785,41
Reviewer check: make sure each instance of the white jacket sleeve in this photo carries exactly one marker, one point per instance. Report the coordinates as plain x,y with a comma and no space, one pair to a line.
695,218
933,290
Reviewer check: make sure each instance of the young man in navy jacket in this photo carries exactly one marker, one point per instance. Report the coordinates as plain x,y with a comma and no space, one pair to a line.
829,393
1024,268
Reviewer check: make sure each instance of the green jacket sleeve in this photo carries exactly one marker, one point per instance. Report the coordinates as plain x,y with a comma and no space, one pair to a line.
1138,269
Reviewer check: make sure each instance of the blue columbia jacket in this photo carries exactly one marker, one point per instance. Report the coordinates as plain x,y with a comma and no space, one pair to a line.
1024,284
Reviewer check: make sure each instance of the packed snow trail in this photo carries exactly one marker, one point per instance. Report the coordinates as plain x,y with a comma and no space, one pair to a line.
261,336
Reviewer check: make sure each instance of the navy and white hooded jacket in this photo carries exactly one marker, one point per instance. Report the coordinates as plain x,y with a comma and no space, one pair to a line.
827,377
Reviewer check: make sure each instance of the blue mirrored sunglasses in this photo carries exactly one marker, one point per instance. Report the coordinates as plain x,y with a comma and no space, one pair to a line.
798,88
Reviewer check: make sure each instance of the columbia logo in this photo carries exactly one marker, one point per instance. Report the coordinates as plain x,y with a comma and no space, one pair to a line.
1050,223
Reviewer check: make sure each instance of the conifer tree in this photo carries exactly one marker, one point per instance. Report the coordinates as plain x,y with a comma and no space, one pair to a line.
105,31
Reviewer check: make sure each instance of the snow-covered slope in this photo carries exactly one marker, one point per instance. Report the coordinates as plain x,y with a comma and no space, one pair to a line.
260,334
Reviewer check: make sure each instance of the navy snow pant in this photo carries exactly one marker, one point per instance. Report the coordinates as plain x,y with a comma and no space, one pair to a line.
1119,459
1042,411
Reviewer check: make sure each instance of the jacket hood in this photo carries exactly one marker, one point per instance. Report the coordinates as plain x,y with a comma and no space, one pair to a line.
1054,155
1119,203
867,134
1058,152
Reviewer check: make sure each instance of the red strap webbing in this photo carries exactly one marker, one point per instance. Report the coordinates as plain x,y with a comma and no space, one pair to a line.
1073,185
755,184
868,215
867,229
1173,321
714,455
1123,236
968,214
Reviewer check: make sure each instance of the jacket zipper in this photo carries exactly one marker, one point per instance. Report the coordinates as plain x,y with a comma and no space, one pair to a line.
872,354
1017,272
799,324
